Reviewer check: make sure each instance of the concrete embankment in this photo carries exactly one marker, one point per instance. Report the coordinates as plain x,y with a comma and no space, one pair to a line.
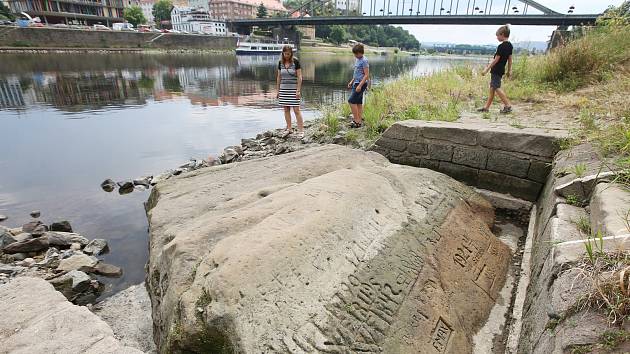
70,38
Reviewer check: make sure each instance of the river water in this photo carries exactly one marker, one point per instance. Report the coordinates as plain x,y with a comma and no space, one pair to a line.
69,121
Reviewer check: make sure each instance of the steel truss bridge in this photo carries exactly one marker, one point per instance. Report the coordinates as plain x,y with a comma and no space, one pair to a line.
426,12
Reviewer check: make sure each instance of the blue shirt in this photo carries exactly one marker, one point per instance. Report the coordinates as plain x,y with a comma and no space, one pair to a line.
359,65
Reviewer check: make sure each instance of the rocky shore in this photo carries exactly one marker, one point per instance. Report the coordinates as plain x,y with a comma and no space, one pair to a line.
57,254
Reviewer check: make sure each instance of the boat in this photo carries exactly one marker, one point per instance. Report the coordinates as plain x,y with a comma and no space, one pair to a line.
257,47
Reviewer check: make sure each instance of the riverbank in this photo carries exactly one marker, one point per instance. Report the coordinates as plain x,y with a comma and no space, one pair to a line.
33,37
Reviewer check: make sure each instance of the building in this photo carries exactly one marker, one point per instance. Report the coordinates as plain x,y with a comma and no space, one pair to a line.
199,4
235,9
87,12
196,20
349,5
147,8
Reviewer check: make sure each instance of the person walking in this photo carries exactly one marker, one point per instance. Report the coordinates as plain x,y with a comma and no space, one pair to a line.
289,83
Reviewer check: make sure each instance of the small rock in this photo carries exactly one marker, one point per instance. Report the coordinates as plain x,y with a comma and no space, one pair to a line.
143,181
65,239
161,177
178,171
284,134
212,161
107,270
36,213
10,270
32,226
27,262
80,262
75,246
39,230
19,256
125,187
63,226
96,247
80,281
141,188
33,245
23,237
108,185
51,260
280,149
16,231
6,239
3,217
231,153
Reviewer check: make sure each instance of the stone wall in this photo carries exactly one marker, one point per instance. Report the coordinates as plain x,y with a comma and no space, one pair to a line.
501,159
558,246
68,38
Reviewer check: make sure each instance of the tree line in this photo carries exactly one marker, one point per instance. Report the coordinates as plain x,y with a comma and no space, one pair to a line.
381,36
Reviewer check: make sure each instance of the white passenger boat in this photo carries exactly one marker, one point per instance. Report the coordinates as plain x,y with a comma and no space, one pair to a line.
254,47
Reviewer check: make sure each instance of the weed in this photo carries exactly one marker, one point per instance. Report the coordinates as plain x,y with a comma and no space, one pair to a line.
579,170
516,124
573,200
486,115
581,349
345,110
611,339
352,136
583,224
332,122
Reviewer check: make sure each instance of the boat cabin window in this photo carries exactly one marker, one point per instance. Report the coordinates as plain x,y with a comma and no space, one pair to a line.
254,48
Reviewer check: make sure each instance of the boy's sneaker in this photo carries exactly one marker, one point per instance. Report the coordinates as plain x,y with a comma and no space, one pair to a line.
483,110
506,110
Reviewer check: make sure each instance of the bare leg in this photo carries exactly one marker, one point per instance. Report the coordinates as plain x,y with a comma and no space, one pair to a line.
490,98
355,112
504,98
287,117
359,113
298,116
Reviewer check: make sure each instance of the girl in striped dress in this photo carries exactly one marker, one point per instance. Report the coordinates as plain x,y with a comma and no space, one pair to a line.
289,83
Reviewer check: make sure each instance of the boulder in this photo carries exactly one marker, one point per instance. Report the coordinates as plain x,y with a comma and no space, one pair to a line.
125,187
62,226
6,239
81,262
3,217
96,246
326,249
51,259
35,213
610,208
230,154
161,177
38,319
32,245
65,239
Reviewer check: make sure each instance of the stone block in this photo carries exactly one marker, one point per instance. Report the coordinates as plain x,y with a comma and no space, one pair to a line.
539,144
514,186
401,132
393,144
453,132
470,156
538,171
418,148
461,173
430,164
440,152
508,164
610,204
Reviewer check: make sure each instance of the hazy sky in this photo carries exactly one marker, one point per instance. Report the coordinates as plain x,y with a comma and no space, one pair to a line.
485,34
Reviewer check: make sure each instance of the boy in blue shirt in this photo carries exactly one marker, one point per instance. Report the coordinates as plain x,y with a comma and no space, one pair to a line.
358,84
496,68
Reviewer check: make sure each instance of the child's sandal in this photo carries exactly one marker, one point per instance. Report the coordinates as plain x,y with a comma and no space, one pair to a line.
354,124
506,110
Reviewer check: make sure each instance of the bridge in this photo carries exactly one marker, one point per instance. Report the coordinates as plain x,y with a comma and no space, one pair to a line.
424,12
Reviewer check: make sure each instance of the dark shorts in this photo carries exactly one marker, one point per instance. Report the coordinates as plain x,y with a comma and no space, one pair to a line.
357,97
495,81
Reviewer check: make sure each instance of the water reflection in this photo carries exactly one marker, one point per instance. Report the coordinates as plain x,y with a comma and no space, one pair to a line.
69,121
82,82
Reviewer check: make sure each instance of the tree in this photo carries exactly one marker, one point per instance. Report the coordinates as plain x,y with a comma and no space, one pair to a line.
5,12
133,14
338,34
162,11
262,11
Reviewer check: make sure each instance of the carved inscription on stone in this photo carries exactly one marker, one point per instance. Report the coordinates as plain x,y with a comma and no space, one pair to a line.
441,335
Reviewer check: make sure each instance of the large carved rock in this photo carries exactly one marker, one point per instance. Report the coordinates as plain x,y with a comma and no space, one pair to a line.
326,250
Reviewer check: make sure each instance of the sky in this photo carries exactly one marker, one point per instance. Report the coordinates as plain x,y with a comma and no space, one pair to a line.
485,34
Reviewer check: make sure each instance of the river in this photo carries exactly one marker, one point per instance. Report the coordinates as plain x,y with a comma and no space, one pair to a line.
69,121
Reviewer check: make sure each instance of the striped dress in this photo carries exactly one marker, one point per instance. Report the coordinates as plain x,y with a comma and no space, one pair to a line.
288,84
